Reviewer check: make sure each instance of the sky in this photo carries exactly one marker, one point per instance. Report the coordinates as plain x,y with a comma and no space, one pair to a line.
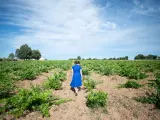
63,29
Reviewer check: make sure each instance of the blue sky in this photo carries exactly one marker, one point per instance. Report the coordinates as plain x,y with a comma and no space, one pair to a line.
63,29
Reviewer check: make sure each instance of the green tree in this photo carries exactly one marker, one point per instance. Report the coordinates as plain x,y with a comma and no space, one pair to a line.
126,57
36,54
151,57
25,52
11,56
79,57
17,53
114,58
139,57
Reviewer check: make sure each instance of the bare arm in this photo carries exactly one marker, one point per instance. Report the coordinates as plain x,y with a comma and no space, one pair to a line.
81,73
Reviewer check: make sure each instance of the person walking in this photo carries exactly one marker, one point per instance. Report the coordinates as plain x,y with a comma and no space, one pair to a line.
76,82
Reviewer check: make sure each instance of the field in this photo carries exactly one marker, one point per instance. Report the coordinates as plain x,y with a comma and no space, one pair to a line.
112,90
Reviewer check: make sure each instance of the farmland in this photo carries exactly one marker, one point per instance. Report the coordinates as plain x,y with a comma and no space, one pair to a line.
124,89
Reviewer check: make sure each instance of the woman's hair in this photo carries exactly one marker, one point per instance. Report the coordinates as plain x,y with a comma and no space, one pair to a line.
76,62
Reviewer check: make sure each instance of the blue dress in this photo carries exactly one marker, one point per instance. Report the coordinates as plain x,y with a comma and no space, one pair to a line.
76,79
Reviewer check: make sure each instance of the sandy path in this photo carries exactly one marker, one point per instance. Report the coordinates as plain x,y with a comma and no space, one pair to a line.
73,110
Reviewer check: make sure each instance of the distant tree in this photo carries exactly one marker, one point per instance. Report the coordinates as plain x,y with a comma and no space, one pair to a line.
126,57
158,57
139,57
79,57
24,52
36,54
17,53
155,57
11,56
95,59
151,57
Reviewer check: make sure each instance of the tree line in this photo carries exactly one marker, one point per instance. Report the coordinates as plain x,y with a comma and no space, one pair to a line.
147,57
25,53
119,58
137,57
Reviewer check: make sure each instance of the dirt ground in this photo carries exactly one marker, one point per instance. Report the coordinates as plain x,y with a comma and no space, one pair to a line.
121,105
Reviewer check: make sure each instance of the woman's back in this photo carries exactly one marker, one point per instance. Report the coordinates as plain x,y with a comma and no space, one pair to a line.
76,69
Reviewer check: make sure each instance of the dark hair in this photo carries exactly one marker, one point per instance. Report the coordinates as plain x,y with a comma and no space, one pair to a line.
76,62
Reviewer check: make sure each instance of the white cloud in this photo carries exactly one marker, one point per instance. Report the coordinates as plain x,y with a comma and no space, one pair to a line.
68,28
63,27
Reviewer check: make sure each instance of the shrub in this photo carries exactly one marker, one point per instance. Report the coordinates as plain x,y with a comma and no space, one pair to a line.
61,76
130,84
28,74
90,84
35,99
96,99
6,85
44,69
132,72
53,82
85,71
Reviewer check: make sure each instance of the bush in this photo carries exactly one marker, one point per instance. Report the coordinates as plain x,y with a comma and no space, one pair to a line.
90,84
85,71
150,99
130,84
96,99
53,82
35,99
28,74
6,85
132,72
61,76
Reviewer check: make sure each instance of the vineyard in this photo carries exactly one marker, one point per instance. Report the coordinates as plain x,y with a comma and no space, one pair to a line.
111,90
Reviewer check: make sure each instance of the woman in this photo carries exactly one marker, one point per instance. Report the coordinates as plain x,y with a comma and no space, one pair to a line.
76,82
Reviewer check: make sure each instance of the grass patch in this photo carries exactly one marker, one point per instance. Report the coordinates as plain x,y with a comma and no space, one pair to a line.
85,71
90,84
62,101
6,85
35,99
152,99
155,97
97,99
130,84
53,82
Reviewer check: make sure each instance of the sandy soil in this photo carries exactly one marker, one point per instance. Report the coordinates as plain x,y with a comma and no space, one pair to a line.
38,81
121,105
